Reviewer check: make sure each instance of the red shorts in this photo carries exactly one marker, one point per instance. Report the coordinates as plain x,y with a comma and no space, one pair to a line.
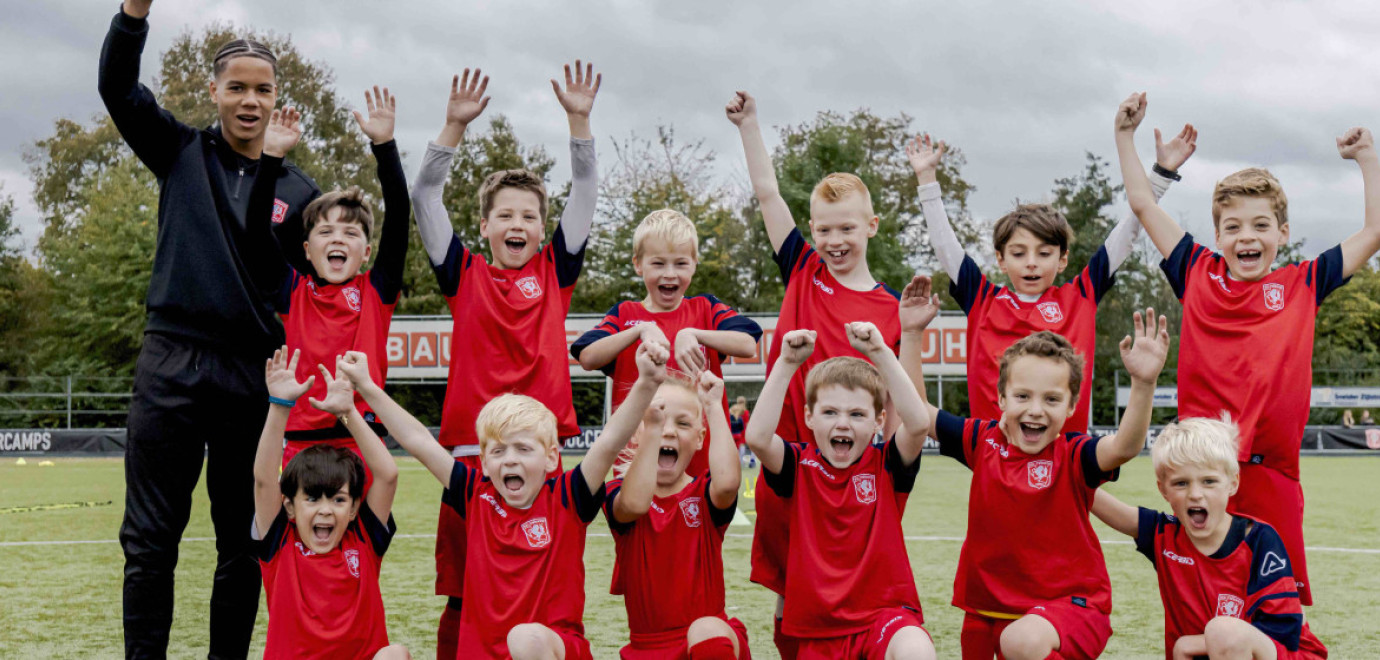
1083,631
1268,495
450,545
771,538
867,645
672,645
293,447
576,646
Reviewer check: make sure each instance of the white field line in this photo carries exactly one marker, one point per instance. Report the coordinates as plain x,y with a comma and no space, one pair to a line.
911,539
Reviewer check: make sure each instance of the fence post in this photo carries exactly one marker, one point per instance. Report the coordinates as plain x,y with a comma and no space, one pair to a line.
69,402
941,390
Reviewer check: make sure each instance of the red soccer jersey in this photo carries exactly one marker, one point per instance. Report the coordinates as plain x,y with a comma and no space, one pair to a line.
1248,578
325,606
997,319
522,565
1247,347
669,564
1029,537
703,311
324,320
847,559
509,335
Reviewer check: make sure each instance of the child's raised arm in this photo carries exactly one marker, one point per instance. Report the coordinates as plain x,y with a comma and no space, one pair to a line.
1169,157
651,372
725,471
865,338
340,401
264,257
742,111
466,102
1144,359
280,374
1116,514
925,156
1163,231
919,307
411,434
391,259
760,434
578,100
1358,248
639,482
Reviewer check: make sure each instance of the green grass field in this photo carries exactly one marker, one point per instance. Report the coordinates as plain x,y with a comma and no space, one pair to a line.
62,600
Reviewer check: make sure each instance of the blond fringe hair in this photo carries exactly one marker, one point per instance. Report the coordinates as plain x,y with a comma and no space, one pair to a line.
849,373
1250,182
513,413
1197,441
669,226
839,185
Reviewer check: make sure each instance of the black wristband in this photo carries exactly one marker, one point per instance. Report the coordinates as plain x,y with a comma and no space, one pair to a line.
1166,173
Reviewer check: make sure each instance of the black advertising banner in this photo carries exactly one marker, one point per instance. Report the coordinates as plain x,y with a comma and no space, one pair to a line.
1339,437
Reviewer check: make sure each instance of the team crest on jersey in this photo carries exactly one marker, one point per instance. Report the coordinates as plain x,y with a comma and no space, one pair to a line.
865,488
529,287
352,297
1040,473
279,211
352,562
1273,564
1274,296
538,533
1228,605
1050,311
690,509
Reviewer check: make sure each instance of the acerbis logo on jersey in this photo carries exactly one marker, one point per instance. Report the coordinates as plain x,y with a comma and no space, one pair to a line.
1040,473
690,510
529,287
352,561
1228,605
1273,564
1187,561
1220,281
1274,296
279,211
824,287
1009,298
1050,311
1001,449
352,297
538,534
494,503
816,465
865,488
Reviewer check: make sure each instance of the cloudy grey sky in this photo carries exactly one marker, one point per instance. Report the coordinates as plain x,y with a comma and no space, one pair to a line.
1023,88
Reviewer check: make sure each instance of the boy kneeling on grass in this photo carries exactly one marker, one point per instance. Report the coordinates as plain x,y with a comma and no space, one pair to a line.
320,538
1226,579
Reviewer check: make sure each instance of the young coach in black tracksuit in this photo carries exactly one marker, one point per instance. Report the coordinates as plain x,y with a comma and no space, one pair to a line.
198,385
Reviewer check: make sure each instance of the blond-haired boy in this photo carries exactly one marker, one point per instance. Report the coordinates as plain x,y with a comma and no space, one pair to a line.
828,285
705,330
1246,347
1225,580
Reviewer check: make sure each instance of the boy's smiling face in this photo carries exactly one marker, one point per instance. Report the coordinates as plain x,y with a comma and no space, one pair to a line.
321,521
337,250
1249,237
840,231
515,227
1030,263
1198,495
1035,403
844,422
667,271
517,464
680,436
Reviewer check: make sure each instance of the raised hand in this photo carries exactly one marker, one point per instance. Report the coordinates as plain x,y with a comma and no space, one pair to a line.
864,337
741,108
280,374
1173,154
689,353
467,100
919,304
651,362
283,132
797,345
710,389
1131,112
1144,356
925,155
382,115
1355,142
340,394
354,365
578,96
137,8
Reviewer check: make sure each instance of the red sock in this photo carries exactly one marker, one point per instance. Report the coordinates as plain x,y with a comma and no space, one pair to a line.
714,648
448,634
787,646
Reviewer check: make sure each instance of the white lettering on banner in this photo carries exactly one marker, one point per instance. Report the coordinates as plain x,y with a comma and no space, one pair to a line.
25,441
419,347
1321,397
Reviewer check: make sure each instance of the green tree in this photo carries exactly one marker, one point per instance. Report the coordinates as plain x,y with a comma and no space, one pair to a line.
23,295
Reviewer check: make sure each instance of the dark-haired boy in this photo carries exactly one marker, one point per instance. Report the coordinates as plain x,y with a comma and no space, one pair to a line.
509,332
331,307
1050,591
1246,346
321,539
1032,245
198,392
